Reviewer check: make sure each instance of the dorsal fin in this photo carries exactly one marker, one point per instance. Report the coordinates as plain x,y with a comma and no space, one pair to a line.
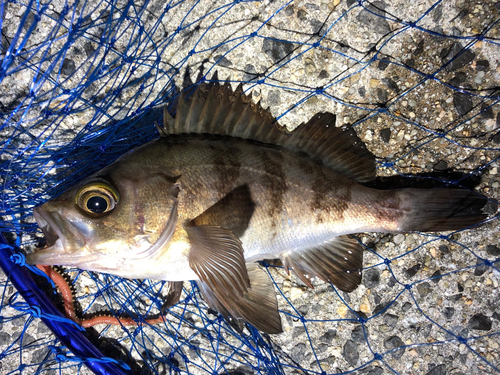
338,148
216,109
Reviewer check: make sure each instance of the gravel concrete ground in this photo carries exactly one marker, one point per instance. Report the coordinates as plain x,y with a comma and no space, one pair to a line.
418,80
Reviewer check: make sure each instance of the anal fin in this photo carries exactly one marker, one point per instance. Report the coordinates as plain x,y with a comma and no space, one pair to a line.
338,261
258,306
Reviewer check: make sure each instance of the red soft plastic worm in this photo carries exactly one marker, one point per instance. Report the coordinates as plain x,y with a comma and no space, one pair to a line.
69,308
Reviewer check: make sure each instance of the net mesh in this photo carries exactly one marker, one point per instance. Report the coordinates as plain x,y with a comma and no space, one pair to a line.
81,82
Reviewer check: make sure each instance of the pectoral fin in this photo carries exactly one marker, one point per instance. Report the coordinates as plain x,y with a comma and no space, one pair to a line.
232,212
258,306
338,261
216,256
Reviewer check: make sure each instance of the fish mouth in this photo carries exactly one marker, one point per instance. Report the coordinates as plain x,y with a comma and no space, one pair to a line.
47,226
63,240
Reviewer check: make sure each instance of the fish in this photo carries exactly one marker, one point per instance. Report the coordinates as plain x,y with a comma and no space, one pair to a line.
227,186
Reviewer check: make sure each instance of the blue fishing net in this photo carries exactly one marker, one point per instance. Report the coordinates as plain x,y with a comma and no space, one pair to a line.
81,83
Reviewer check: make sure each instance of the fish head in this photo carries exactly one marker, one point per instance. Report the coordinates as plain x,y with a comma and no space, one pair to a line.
107,222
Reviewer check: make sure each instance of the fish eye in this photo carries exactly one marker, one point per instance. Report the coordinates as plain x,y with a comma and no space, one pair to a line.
97,198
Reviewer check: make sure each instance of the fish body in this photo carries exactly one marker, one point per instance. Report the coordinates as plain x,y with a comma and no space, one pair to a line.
225,187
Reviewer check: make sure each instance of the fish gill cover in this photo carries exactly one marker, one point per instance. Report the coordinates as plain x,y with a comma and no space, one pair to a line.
80,82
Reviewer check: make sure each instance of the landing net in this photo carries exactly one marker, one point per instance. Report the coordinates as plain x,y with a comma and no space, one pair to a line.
80,84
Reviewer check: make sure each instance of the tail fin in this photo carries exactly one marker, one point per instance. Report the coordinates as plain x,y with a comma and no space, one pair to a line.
435,210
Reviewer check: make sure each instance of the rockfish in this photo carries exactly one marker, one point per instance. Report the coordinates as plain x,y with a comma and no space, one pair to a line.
226,186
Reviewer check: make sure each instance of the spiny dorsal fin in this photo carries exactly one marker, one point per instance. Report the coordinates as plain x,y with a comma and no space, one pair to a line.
216,109
338,148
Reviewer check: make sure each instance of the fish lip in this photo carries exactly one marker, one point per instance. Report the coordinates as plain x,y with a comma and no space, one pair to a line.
57,256
58,250
47,225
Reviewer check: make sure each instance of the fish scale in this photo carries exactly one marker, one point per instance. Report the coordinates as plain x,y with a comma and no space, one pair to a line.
275,180
226,186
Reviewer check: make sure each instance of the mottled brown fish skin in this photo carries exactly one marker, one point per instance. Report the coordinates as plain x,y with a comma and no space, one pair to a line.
273,180
293,209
